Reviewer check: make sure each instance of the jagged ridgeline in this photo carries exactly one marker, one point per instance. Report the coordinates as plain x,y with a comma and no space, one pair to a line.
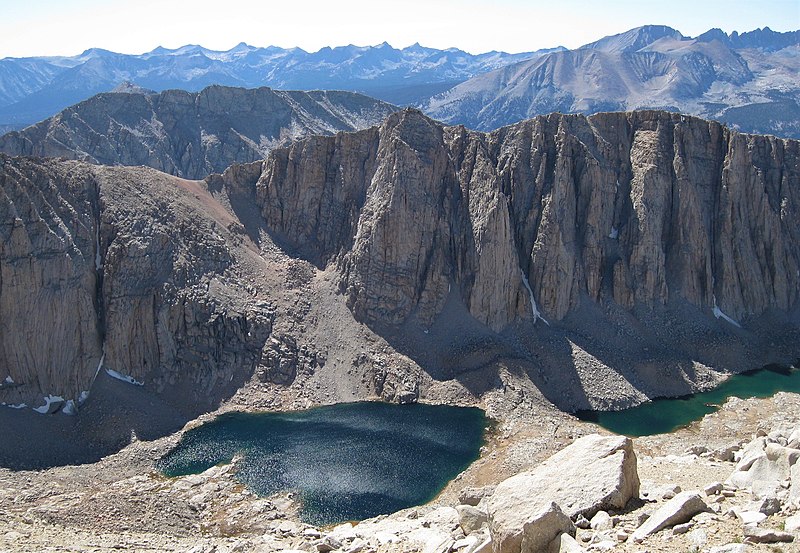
192,134
643,241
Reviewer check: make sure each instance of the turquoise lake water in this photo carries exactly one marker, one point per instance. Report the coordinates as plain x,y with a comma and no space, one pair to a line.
667,414
347,462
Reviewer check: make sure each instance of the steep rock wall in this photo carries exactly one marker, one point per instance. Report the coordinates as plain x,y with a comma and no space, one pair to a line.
639,209
124,264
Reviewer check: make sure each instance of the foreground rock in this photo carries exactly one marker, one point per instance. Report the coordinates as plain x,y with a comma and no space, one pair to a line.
753,534
677,510
768,468
595,472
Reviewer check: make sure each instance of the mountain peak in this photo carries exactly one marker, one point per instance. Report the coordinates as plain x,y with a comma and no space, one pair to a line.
634,39
127,87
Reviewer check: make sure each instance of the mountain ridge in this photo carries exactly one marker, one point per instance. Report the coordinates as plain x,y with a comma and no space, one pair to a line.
604,259
748,81
32,89
191,134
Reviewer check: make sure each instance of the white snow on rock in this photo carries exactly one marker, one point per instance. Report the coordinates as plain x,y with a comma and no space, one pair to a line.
14,406
100,364
534,309
125,378
83,397
70,408
48,401
9,380
720,315
614,234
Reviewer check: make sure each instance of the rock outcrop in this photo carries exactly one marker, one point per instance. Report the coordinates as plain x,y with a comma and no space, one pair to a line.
678,510
634,209
613,258
121,269
595,472
191,134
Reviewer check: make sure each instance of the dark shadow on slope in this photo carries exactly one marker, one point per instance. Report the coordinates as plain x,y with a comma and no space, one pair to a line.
459,347
114,414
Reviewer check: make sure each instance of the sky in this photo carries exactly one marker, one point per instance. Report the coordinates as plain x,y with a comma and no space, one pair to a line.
68,27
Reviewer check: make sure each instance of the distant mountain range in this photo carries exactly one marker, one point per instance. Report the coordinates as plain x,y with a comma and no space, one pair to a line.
750,81
192,134
32,89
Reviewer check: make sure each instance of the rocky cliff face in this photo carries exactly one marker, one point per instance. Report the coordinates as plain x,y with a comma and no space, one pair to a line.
537,219
602,260
126,265
191,134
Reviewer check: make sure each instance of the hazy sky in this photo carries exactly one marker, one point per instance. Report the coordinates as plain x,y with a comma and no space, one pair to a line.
48,27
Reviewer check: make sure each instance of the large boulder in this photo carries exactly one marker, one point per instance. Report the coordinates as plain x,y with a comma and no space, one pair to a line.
566,544
527,528
677,510
766,464
794,490
595,472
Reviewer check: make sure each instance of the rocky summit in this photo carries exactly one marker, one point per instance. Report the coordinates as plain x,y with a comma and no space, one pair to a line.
191,134
601,260
748,81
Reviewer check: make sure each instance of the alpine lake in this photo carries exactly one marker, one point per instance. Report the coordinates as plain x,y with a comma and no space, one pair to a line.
345,462
355,461
668,414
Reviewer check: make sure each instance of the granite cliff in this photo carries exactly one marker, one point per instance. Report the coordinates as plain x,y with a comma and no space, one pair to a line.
121,269
626,242
604,260
191,134
632,209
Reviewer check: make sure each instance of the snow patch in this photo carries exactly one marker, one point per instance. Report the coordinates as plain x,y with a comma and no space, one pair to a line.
99,366
534,309
720,315
14,406
48,400
83,397
614,233
125,378
70,408
8,380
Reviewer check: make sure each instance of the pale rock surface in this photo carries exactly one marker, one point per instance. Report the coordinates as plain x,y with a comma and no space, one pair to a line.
601,474
471,518
729,548
754,534
677,510
565,543
793,523
473,496
749,517
522,528
601,521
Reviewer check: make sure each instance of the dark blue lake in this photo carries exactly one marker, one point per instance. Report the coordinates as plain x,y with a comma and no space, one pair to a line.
347,462
667,414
